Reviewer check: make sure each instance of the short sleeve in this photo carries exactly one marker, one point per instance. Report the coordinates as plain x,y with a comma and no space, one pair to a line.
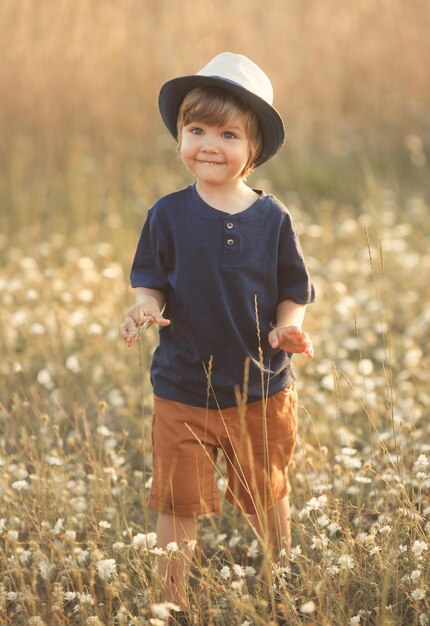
294,282
148,268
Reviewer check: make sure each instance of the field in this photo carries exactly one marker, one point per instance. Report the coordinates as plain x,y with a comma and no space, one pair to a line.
83,156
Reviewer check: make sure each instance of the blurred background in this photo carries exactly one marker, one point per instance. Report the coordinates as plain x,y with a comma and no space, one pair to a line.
79,83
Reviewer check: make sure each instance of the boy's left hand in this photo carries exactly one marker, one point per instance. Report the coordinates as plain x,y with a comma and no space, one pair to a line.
291,339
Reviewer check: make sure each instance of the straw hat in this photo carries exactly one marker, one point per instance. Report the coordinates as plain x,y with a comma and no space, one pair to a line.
239,75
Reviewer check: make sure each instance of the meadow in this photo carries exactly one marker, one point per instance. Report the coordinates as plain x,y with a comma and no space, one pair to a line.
83,157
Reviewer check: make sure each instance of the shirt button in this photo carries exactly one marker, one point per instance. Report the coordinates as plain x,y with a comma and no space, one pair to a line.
229,225
230,242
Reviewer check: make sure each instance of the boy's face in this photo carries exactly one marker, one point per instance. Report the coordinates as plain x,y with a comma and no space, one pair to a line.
216,155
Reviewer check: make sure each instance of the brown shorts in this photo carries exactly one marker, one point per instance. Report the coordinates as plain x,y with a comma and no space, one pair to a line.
258,443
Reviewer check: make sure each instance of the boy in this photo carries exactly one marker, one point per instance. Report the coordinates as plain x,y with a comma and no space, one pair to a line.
219,268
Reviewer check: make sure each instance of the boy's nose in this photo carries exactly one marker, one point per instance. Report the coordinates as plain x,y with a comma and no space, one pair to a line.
209,145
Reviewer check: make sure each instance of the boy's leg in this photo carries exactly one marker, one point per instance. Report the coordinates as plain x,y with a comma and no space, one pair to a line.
175,568
274,527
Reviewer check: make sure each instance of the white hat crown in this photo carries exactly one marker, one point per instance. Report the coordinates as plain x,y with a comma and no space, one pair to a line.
242,71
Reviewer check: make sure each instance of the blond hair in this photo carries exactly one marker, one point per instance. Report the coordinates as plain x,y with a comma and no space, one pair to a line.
218,107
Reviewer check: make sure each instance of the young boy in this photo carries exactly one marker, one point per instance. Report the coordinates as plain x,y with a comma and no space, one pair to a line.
219,268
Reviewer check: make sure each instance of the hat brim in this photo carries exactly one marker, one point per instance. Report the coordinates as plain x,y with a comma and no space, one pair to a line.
173,92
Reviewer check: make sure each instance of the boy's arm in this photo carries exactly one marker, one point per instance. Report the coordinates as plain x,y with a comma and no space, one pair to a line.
153,299
288,335
146,311
289,313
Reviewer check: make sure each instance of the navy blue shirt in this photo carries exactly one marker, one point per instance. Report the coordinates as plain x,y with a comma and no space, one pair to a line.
215,270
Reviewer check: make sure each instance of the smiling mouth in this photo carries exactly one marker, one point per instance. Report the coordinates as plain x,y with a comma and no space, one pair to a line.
209,162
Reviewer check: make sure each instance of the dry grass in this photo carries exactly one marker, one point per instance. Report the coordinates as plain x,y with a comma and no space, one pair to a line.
83,156
341,71
75,428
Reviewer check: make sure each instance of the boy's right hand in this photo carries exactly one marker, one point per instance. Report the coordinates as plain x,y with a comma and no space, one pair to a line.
137,316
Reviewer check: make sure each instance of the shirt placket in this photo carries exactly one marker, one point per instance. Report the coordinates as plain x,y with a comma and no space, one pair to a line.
231,241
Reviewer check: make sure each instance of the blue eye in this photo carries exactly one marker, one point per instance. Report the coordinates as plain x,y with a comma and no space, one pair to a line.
197,131
229,135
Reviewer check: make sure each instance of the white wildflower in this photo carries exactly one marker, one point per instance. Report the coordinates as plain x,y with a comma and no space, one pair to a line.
314,504
93,620
415,575
220,538
110,471
85,598
104,525
11,596
295,552
69,596
20,484
72,364
44,378
421,475
250,571
347,458
323,520
45,568
253,549
115,398
79,504
85,295
308,607
418,594
346,562
145,540
319,543
354,620
421,463
237,585
70,535
104,431
82,556
106,568
12,535
238,570
221,484
162,610
58,526
95,329
423,620
349,451
419,547
36,620
24,557
233,541
172,546
53,460
225,572
364,480
333,528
